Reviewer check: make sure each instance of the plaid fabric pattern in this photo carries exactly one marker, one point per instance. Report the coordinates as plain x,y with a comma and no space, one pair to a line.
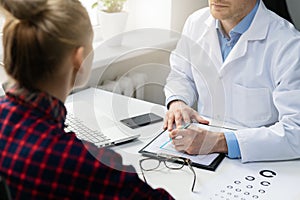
41,161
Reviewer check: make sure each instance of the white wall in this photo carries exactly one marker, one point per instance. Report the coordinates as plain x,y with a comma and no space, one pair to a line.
163,14
149,14
181,9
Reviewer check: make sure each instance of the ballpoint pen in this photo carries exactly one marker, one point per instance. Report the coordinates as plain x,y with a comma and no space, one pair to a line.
185,126
216,126
182,127
211,125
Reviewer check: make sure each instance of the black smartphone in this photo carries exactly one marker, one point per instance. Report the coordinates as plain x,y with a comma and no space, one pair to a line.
141,120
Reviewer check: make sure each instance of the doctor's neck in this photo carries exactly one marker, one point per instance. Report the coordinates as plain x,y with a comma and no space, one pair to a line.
231,12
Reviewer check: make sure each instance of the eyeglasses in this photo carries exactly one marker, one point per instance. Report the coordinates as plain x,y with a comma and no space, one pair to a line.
171,162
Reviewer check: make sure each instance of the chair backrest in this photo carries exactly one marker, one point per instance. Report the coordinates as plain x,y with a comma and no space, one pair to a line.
279,7
4,190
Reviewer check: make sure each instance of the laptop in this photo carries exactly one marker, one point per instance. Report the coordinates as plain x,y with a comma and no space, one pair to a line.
89,124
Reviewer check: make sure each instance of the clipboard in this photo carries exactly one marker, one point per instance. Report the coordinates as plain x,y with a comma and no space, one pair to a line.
209,162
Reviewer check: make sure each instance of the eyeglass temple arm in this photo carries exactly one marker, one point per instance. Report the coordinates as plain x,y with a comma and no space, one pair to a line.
142,170
188,161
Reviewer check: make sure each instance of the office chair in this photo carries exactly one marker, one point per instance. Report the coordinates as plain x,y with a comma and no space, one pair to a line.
280,8
4,190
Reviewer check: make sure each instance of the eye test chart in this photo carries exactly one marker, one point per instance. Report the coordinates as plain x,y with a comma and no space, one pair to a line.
250,181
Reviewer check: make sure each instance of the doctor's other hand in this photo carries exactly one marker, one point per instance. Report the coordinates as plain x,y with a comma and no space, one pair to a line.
180,113
195,140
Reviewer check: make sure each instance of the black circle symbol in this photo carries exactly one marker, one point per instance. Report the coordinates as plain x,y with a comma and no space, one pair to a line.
265,183
249,178
261,191
267,173
237,182
249,186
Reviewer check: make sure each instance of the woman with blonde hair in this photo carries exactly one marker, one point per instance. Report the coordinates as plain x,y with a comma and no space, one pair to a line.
48,52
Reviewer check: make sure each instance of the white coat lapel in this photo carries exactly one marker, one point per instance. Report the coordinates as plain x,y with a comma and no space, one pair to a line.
238,51
209,42
257,32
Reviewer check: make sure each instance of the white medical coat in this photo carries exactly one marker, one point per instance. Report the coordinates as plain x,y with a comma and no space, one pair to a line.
257,86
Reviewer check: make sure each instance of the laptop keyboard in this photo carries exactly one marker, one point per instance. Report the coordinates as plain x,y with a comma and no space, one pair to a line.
84,133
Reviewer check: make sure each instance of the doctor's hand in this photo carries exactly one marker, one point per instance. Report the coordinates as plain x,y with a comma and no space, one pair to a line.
180,113
195,140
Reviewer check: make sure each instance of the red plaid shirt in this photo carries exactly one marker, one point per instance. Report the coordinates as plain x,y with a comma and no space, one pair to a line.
41,161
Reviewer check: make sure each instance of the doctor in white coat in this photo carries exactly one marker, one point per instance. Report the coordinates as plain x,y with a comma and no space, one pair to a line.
241,63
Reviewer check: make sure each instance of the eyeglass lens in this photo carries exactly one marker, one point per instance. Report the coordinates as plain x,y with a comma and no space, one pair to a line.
149,164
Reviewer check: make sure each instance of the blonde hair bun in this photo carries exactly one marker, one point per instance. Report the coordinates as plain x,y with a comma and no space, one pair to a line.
25,9
39,34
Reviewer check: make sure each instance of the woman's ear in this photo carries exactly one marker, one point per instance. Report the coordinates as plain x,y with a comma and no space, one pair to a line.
78,57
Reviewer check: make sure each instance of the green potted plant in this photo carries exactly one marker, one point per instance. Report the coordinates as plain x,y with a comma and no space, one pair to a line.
112,19
111,6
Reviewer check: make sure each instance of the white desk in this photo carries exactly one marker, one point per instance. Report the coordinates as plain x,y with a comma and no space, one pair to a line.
209,185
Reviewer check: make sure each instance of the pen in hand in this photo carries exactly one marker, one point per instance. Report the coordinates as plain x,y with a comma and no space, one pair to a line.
185,126
182,127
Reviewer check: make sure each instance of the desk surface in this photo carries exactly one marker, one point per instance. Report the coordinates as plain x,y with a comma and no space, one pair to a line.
231,180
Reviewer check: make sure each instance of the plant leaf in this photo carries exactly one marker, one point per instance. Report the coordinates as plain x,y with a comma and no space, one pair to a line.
95,5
